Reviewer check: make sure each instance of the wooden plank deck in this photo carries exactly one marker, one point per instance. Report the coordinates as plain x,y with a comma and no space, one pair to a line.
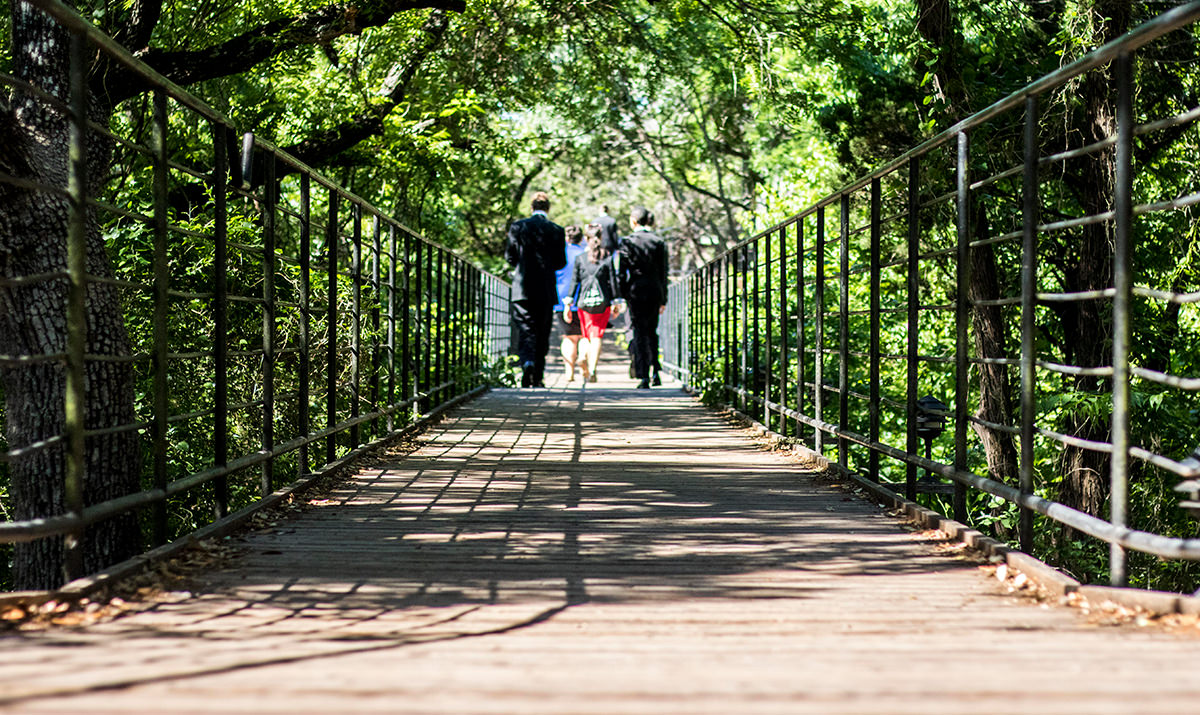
596,550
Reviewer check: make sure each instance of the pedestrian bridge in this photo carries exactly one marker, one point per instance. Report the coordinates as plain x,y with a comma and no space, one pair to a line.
596,550
961,326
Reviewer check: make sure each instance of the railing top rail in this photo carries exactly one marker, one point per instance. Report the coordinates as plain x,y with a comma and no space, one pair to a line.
1134,39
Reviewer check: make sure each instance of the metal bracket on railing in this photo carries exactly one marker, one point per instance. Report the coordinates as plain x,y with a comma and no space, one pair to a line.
1191,487
247,159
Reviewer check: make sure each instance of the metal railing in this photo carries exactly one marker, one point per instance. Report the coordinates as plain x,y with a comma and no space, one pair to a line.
277,322
830,326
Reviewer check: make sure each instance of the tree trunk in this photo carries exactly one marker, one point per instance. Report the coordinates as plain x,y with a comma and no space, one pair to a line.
1087,325
991,340
936,23
33,230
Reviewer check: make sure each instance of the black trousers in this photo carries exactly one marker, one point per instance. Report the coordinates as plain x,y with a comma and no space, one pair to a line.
533,319
643,318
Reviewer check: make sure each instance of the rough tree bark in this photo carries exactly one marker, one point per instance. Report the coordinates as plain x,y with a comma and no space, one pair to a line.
1087,266
33,229
990,331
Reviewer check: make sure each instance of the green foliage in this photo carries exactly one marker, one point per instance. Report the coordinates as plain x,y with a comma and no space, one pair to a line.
1164,420
724,117
504,371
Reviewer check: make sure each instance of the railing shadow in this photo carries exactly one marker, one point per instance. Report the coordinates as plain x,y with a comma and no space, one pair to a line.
529,504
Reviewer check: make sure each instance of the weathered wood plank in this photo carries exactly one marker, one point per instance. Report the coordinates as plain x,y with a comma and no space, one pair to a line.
596,551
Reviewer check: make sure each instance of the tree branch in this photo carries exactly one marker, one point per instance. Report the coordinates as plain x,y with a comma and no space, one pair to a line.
140,24
518,193
725,201
241,53
323,146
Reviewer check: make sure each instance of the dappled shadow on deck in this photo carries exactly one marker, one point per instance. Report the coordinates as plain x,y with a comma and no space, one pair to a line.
517,508
576,496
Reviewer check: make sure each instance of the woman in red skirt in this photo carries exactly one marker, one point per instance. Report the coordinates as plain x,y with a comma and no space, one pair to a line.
592,290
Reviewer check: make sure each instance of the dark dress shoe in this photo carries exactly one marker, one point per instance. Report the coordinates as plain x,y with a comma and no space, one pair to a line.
644,385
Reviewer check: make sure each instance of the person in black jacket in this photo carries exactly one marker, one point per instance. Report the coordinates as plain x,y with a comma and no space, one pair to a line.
608,231
535,248
642,280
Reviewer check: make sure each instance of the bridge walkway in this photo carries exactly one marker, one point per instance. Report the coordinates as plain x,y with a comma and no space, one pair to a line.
595,549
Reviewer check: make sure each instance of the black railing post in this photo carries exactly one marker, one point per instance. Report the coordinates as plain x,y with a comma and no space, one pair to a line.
376,309
459,363
784,362
455,335
76,348
268,324
331,278
1123,295
819,338
406,341
684,328
471,316
914,313
391,329
419,327
698,350
874,341
220,181
962,321
696,331
1029,268
764,321
162,283
356,271
305,367
429,328
730,360
714,357
709,359
801,290
744,331
446,311
844,331
472,281
445,314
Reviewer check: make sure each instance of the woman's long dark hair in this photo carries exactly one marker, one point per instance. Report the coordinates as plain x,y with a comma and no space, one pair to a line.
595,250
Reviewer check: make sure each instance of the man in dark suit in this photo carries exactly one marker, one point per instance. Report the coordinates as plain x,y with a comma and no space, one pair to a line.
535,248
608,231
642,277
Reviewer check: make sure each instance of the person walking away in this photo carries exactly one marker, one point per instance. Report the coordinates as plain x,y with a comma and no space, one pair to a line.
592,291
642,280
608,231
612,240
569,346
535,247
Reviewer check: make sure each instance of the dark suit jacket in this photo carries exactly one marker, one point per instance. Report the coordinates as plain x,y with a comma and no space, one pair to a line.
536,247
642,268
608,233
